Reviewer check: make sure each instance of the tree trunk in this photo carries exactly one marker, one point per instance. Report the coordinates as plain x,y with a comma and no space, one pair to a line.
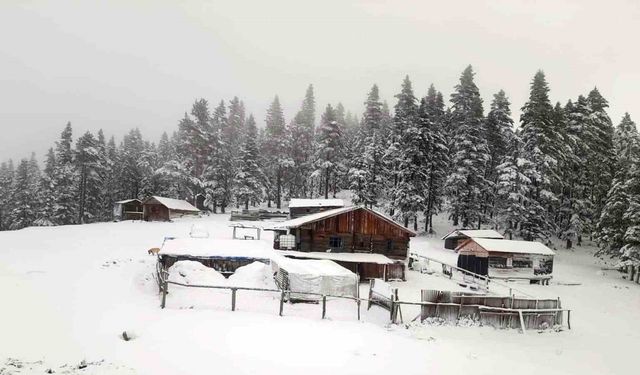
326,185
415,223
569,244
279,190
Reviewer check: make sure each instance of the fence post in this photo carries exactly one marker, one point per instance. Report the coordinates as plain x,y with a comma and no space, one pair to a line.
370,291
233,299
324,306
358,301
164,294
393,309
281,302
568,318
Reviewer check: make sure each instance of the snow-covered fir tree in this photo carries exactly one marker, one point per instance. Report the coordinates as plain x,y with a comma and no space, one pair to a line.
328,158
249,178
90,169
613,223
367,169
7,173
467,185
431,121
24,192
277,159
65,182
543,146
302,146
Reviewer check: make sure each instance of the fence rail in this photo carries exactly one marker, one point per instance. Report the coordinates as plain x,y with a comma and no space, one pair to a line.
452,305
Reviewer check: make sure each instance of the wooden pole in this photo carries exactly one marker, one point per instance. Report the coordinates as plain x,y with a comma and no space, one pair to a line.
164,294
233,299
569,319
324,306
370,294
358,302
281,302
524,330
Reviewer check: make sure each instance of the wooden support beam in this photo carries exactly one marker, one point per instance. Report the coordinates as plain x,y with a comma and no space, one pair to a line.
281,302
324,306
233,299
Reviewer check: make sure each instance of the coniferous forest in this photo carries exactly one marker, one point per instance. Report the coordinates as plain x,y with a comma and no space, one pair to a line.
562,170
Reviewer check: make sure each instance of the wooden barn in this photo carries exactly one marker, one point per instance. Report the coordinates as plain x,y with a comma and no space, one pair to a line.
458,236
361,240
165,209
495,257
302,207
129,209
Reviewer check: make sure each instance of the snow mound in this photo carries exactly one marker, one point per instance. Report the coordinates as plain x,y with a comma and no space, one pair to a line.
254,275
192,272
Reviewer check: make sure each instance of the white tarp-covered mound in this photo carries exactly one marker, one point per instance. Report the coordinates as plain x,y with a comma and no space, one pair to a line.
254,275
314,276
192,272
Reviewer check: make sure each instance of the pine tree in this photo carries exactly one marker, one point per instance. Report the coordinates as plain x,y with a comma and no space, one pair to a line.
65,182
430,118
301,146
630,251
24,194
249,177
275,150
89,168
7,173
612,223
328,155
512,188
543,147
373,133
467,185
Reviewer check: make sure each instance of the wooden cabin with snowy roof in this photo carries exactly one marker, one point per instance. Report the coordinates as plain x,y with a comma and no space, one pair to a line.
505,258
166,209
362,240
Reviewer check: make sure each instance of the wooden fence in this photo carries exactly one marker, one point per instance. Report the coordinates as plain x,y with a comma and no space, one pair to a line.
499,312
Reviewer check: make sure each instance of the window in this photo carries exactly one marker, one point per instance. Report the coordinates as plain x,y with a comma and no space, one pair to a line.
335,242
389,246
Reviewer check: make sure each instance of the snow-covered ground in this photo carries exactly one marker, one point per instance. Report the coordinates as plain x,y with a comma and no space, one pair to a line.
67,294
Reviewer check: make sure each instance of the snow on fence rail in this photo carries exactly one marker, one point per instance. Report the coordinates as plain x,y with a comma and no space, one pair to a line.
499,312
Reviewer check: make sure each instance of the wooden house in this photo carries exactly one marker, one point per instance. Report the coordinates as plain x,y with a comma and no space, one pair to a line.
302,207
458,236
165,209
495,257
361,240
129,209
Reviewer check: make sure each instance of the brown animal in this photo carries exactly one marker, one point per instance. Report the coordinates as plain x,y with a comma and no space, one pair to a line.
153,251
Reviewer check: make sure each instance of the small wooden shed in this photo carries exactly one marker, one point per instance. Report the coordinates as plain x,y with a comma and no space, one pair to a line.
356,230
165,209
128,209
456,237
300,207
487,256
225,256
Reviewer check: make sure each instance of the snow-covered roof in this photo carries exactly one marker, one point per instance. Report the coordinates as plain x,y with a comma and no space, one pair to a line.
321,267
511,246
295,223
340,257
209,247
128,201
474,233
299,202
175,204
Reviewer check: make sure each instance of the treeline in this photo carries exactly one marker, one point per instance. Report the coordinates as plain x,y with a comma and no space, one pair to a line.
564,172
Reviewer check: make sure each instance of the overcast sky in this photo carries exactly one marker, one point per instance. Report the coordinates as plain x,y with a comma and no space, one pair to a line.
141,63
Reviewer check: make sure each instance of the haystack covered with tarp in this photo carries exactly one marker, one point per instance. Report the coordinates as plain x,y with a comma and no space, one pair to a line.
318,276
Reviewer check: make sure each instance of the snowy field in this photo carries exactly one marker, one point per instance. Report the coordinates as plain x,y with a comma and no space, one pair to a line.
69,292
